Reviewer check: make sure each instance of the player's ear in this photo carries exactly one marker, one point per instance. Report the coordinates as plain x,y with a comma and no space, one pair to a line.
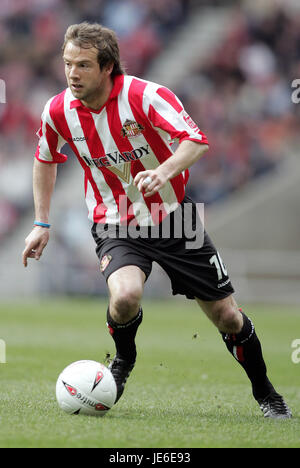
109,68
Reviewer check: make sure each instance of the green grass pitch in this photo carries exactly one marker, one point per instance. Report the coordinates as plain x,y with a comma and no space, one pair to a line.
186,390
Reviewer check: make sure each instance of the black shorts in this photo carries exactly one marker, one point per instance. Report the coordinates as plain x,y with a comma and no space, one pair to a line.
188,256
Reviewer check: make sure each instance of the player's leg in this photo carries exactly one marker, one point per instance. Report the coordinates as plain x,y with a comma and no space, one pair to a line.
199,272
125,267
239,335
124,316
126,287
224,313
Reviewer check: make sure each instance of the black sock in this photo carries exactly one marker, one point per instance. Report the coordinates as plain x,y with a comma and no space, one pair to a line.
246,349
124,335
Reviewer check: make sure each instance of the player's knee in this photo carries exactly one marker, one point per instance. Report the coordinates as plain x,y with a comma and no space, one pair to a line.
126,303
229,319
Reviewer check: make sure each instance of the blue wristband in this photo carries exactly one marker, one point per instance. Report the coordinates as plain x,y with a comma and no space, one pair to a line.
45,225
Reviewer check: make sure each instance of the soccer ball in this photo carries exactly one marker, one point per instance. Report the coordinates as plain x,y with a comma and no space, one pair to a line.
86,387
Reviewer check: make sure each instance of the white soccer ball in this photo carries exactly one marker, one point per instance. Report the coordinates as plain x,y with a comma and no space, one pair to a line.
86,387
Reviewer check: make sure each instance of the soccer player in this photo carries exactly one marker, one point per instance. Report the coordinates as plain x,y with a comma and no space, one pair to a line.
121,128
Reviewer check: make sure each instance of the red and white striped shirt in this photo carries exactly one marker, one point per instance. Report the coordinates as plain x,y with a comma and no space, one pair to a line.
132,132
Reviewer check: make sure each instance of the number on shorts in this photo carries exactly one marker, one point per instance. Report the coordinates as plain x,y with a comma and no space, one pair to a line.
218,262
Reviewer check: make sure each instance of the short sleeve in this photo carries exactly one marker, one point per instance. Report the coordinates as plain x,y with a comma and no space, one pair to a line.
50,141
165,111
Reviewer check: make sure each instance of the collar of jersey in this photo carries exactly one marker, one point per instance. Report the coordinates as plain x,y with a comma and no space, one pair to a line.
118,85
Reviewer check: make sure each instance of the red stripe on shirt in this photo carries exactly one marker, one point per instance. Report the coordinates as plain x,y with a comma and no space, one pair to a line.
158,146
168,96
52,140
97,150
57,114
123,145
161,122
135,98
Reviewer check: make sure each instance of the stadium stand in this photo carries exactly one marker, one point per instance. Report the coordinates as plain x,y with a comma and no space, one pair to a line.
236,85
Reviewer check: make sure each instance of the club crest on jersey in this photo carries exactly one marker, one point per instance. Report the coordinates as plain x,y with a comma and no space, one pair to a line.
131,129
105,262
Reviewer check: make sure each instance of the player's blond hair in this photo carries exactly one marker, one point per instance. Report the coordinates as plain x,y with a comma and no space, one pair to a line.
86,35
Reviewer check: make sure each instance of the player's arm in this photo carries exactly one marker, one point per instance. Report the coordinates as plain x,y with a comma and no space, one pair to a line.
44,177
187,153
166,112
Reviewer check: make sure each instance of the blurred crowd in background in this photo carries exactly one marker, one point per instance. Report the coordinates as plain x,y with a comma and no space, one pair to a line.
240,97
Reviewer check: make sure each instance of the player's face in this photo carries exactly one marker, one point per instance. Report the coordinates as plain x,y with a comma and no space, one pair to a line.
84,76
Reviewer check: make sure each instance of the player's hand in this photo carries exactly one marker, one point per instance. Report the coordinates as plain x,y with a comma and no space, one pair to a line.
35,243
150,182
